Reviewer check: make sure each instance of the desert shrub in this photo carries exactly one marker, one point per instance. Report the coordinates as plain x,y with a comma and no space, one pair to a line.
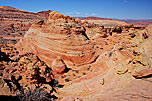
38,94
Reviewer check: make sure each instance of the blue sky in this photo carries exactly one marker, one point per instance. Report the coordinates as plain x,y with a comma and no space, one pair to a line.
122,9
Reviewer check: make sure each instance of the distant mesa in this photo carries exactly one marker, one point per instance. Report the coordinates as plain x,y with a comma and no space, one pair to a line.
95,18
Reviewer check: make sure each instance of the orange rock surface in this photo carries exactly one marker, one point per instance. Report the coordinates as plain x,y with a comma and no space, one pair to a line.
93,62
59,36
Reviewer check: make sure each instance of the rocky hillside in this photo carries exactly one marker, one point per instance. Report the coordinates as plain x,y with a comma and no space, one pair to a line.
25,77
14,23
63,58
91,61
44,14
11,15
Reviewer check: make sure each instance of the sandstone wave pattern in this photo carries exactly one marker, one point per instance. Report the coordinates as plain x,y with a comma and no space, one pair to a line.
93,62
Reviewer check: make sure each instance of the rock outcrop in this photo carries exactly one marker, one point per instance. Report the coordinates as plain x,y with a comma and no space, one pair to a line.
75,60
91,61
59,36
58,65
44,14
14,23
23,75
10,14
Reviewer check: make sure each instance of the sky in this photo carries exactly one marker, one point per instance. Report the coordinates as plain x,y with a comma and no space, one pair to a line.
120,9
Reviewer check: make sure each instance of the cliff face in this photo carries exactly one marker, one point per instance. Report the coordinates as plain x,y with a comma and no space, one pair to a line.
10,14
14,23
93,62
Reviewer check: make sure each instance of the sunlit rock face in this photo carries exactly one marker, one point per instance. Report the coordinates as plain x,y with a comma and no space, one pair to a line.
58,36
105,63
122,71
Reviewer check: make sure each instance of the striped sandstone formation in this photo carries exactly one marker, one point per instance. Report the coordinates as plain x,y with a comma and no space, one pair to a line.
59,36
93,62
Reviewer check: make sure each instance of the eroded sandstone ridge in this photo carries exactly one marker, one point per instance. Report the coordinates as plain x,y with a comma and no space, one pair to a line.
96,62
15,22
59,36
88,60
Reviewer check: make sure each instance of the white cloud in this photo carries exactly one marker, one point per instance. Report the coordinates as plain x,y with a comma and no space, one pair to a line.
80,13
125,1
93,14
69,13
86,13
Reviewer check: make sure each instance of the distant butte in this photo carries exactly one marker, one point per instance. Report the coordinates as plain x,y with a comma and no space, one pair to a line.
95,18
44,14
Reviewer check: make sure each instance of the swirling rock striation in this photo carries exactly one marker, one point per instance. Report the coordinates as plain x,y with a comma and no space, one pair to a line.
59,36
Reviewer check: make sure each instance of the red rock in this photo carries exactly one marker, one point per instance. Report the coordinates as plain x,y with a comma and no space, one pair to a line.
55,38
14,23
44,14
95,18
55,15
102,60
143,73
58,65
